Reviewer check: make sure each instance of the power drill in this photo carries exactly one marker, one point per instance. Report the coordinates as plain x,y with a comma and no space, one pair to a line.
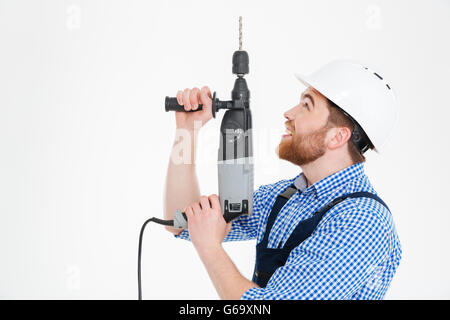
235,154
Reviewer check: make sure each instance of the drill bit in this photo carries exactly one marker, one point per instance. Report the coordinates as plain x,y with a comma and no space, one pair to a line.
240,33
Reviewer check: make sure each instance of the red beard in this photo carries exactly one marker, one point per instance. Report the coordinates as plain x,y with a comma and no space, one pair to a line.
301,150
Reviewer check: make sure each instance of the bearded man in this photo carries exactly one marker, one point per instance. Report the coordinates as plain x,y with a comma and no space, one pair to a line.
324,234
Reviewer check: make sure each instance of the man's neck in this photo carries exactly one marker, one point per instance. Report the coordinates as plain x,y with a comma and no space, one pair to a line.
323,167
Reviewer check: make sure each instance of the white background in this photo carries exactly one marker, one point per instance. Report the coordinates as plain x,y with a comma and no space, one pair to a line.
85,141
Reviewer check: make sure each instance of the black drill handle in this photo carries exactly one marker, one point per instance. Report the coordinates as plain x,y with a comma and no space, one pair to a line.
172,105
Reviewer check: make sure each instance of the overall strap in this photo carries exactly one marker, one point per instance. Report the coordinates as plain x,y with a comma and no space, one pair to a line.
360,194
306,227
281,200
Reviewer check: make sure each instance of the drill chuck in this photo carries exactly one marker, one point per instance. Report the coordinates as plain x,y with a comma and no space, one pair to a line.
240,62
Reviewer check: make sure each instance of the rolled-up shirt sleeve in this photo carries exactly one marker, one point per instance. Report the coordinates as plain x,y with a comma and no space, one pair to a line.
334,262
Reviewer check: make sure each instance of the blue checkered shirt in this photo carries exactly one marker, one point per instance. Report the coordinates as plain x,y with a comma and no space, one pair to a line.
353,253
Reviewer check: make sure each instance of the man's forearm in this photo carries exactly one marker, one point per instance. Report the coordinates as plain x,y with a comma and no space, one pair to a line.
228,281
181,187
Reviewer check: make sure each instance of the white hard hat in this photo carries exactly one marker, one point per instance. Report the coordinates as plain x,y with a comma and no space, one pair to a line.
361,93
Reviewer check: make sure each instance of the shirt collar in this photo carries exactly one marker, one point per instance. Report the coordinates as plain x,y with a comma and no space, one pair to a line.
325,186
300,182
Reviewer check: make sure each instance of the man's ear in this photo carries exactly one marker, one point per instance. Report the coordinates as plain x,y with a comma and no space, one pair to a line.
338,137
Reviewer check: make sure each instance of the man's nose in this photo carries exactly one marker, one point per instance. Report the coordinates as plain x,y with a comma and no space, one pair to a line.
290,114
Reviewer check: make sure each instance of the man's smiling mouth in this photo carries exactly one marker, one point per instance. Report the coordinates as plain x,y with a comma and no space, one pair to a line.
287,133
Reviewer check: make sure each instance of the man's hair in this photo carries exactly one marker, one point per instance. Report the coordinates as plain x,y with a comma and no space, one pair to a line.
339,119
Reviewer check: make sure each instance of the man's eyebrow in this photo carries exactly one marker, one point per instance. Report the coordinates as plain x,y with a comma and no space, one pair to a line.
307,95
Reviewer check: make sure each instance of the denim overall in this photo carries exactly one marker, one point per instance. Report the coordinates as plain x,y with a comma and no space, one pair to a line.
269,259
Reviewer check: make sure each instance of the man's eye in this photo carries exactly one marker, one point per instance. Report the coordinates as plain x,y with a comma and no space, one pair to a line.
306,106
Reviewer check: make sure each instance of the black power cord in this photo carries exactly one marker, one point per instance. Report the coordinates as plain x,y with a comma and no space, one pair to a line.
141,235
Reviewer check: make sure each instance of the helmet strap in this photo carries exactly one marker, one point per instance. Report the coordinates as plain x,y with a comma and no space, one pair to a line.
359,138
